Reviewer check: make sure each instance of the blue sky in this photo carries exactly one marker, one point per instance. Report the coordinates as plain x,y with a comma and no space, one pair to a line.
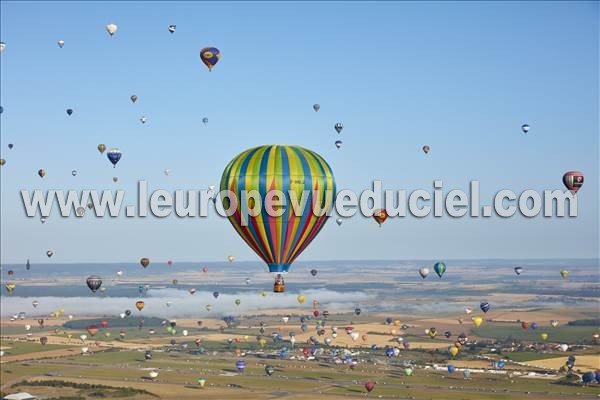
460,77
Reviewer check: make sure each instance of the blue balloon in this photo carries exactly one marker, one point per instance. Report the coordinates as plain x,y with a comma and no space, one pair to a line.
240,365
451,368
485,306
534,325
500,364
388,320
588,377
389,352
215,294
114,155
598,376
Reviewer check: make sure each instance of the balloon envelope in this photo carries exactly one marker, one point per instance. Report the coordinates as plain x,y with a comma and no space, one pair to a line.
279,240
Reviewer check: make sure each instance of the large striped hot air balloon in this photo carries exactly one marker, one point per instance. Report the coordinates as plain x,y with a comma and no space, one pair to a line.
302,177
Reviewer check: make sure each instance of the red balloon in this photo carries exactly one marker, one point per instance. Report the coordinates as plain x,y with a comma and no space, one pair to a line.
369,386
305,351
104,324
573,180
525,325
316,313
380,216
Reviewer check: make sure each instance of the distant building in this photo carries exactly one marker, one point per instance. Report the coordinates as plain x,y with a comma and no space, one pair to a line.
19,396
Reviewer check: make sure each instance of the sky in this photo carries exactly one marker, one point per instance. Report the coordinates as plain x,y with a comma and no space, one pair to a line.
460,77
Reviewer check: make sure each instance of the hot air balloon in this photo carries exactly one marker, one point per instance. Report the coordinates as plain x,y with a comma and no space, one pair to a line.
144,262
338,144
201,382
210,56
2,161
205,120
534,325
518,270
339,221
357,311
269,369
439,268
316,107
426,149
49,253
61,43
153,374
10,146
143,119
42,173
238,302
477,321
554,323
43,340
139,305
338,127
111,29
485,306
525,128
466,373
588,377
369,386
205,270
451,368
35,303
573,180
114,155
133,98
231,258
301,298
240,365
424,271
279,238
215,294
544,336
2,46
525,325
192,291
10,287
380,216
92,330
94,282
564,273
453,351
172,30
408,371
314,272
69,111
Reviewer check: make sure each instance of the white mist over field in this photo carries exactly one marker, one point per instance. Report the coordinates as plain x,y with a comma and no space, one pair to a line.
183,304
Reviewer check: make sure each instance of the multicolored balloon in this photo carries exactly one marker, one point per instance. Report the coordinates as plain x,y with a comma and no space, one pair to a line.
210,56
279,238
439,268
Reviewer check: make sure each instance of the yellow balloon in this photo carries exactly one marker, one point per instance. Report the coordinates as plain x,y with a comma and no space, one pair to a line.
301,298
263,293
477,321
544,336
454,351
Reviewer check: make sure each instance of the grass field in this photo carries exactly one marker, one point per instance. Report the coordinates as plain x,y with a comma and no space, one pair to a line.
560,334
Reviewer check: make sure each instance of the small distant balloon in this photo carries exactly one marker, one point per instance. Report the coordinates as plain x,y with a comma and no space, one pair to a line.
339,221
114,155
316,107
439,268
573,180
69,111
2,47
313,272
525,128
144,262
172,28
205,120
10,146
143,119
424,272
380,216
210,56
74,172
61,43
101,148
338,127
111,29
49,253
231,258
2,161
115,179
338,144
133,98
80,211
426,149
518,270
42,173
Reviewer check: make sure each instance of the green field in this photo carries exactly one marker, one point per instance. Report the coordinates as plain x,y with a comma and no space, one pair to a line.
561,334
17,347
